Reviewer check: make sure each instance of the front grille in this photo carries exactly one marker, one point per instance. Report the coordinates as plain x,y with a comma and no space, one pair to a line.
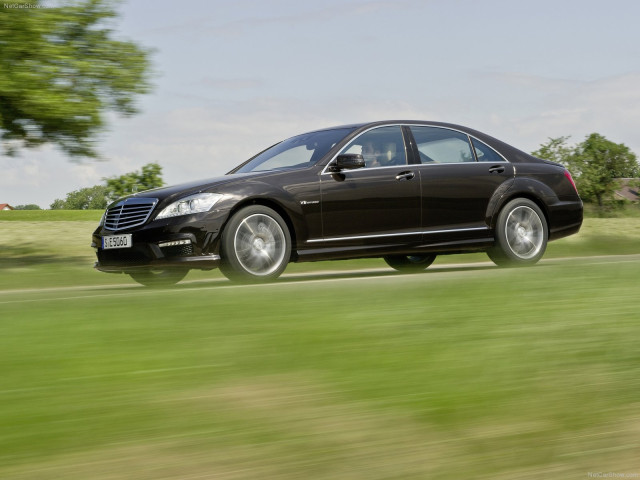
129,213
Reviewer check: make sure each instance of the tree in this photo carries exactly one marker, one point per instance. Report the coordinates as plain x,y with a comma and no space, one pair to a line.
99,196
92,198
30,206
58,204
596,164
555,150
149,177
60,70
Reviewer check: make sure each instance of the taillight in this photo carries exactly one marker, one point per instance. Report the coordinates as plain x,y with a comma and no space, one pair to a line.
570,178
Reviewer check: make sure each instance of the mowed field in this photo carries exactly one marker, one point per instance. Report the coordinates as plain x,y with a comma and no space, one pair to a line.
338,370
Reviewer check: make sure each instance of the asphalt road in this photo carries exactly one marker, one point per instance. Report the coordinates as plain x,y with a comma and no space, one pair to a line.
325,276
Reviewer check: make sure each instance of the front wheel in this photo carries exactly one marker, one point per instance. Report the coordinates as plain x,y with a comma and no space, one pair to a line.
521,234
159,278
256,245
409,263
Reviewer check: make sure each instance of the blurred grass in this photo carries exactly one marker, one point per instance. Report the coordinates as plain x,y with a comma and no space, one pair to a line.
618,210
51,215
600,236
468,373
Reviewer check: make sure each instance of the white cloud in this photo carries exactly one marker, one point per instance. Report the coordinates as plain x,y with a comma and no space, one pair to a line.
231,83
41,176
286,14
610,106
525,110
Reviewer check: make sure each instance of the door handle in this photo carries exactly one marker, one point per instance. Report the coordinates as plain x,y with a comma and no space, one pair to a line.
405,176
496,169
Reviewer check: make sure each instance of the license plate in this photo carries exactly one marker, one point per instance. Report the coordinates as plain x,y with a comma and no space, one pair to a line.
116,241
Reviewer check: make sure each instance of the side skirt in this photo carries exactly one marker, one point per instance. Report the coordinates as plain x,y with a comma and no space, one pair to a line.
368,251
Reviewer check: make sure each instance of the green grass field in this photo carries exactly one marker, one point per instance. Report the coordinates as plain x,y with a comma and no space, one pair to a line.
459,372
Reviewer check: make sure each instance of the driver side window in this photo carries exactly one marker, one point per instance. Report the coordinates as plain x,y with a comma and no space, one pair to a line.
380,147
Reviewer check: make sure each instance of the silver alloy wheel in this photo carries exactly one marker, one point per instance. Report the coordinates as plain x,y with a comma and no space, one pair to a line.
260,244
524,232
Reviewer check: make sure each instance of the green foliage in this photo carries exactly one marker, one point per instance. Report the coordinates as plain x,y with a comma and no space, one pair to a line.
99,196
30,206
58,204
596,164
555,150
60,70
149,177
92,198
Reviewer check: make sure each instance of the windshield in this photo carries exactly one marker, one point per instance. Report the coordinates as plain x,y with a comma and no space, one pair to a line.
296,152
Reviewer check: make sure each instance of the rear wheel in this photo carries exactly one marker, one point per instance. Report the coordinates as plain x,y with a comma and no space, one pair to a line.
409,263
256,245
521,234
159,278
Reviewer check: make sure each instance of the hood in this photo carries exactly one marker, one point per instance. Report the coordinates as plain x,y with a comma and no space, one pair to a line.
189,188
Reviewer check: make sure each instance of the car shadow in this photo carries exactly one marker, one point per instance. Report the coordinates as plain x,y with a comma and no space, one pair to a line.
294,278
310,277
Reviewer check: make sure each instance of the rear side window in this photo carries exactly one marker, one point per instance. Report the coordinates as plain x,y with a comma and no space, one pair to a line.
485,153
441,145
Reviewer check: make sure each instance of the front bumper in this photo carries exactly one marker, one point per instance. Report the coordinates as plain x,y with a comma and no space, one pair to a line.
201,262
189,242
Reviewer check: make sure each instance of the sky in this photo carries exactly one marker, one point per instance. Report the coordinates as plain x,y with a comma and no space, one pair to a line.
234,77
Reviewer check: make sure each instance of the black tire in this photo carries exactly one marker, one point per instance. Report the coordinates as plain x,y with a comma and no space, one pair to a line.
255,245
159,278
409,263
521,234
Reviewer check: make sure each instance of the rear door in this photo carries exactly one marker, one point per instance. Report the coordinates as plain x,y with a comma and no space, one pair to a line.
459,176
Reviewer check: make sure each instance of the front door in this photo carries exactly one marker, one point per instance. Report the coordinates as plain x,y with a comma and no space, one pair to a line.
380,201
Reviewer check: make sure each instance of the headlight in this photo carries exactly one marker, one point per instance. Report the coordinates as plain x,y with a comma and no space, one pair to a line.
200,202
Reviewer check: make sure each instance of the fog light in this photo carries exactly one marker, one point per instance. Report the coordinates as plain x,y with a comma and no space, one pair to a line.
174,243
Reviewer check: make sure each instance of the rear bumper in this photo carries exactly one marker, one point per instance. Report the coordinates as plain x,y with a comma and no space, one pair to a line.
565,218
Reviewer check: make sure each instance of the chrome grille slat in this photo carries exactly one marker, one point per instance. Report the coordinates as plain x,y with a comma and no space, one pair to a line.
129,213
132,217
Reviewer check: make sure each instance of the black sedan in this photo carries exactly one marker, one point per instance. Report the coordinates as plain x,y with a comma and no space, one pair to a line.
405,191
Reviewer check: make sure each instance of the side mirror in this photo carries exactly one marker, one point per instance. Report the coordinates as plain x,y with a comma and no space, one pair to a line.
347,161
